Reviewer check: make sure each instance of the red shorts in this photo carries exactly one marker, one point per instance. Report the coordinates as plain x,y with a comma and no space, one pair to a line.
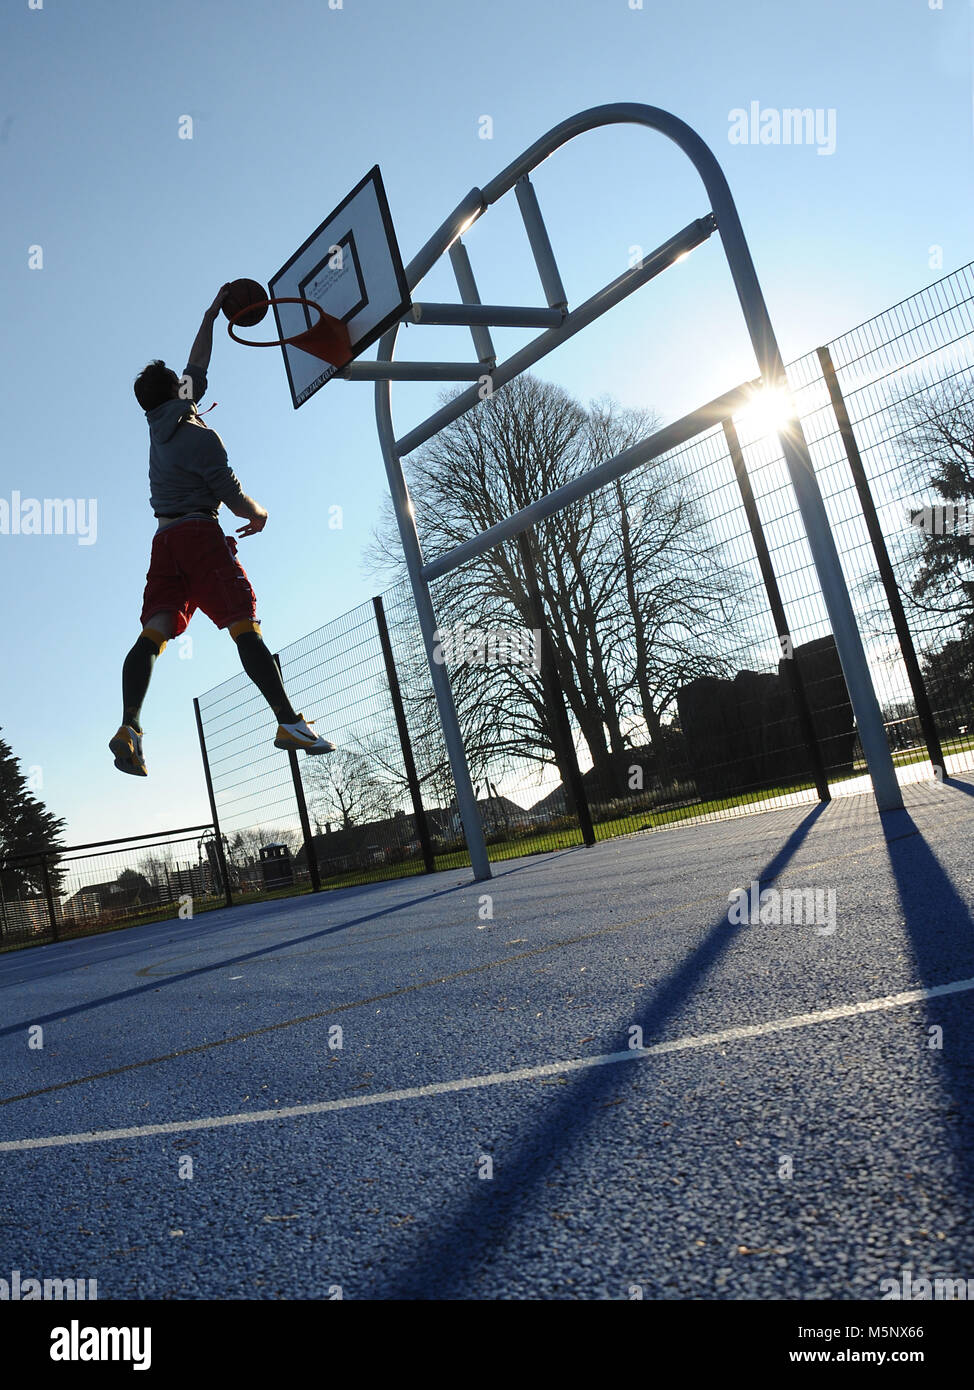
194,565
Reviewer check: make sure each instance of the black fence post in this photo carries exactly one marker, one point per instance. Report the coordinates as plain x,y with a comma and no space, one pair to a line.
309,844
419,811
794,675
221,857
49,895
559,727
878,541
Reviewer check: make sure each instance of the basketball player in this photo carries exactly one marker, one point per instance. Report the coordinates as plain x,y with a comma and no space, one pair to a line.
193,562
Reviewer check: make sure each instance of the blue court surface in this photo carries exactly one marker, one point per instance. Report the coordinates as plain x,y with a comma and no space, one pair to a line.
796,1123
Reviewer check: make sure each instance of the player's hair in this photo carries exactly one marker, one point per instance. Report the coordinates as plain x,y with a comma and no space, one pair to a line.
154,384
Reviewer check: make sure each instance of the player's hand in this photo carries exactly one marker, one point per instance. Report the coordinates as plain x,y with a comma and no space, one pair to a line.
255,525
217,304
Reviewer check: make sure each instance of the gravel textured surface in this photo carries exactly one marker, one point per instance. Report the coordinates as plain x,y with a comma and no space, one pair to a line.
806,1160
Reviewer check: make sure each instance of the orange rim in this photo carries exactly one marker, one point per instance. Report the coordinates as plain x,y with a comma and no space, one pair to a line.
275,342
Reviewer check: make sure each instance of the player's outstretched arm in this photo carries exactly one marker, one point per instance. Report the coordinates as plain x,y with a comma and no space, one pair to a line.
254,514
199,353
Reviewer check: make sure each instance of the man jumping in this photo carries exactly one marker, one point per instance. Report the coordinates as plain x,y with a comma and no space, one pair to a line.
193,563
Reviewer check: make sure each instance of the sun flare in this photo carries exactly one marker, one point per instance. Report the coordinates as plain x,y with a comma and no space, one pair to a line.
769,411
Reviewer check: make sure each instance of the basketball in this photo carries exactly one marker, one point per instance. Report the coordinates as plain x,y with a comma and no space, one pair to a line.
241,294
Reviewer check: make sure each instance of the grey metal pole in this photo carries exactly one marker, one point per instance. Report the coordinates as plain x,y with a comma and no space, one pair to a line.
471,314
544,257
883,563
49,895
413,371
466,800
554,696
594,307
793,670
825,556
845,630
669,437
405,743
466,212
298,785
221,858
467,285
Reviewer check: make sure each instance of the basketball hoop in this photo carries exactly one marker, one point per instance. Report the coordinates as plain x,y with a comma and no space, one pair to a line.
327,339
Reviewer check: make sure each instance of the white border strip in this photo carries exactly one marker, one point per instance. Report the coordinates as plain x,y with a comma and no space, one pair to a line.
499,1078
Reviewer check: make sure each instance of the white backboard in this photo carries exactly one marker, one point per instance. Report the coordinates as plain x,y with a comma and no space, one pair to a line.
350,266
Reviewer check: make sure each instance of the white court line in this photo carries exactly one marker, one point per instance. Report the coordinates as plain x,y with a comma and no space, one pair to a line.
499,1078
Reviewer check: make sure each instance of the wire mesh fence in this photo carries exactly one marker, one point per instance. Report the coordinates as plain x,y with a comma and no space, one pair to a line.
684,696
906,380
360,815
676,617
70,891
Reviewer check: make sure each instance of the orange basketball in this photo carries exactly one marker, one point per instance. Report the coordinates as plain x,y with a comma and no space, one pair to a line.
241,295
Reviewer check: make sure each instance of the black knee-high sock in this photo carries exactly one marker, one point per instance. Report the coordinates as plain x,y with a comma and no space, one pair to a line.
260,666
136,674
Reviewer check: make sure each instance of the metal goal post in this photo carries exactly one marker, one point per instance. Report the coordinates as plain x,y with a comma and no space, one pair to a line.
557,323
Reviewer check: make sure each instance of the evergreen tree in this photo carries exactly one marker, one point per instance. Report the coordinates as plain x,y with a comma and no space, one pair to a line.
937,447
25,825
949,676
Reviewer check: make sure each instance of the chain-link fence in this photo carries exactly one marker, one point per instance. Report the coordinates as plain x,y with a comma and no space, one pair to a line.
905,379
76,890
360,821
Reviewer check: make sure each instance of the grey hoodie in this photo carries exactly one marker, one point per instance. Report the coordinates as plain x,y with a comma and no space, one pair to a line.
188,469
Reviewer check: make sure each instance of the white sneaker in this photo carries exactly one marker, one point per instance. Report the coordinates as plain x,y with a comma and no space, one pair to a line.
300,735
127,748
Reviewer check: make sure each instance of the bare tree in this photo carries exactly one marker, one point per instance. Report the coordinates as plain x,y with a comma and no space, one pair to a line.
157,865
937,446
636,596
246,845
345,788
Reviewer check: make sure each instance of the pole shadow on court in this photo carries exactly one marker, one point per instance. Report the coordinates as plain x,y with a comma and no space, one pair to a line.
940,930
445,1264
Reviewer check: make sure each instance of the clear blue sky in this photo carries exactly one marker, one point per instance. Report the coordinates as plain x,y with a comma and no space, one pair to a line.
291,104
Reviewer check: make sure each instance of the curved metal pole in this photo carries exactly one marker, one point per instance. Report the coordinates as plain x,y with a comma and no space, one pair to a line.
811,506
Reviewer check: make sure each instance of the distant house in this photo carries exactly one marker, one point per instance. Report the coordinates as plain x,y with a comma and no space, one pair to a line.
555,803
97,899
499,814
363,846
396,838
